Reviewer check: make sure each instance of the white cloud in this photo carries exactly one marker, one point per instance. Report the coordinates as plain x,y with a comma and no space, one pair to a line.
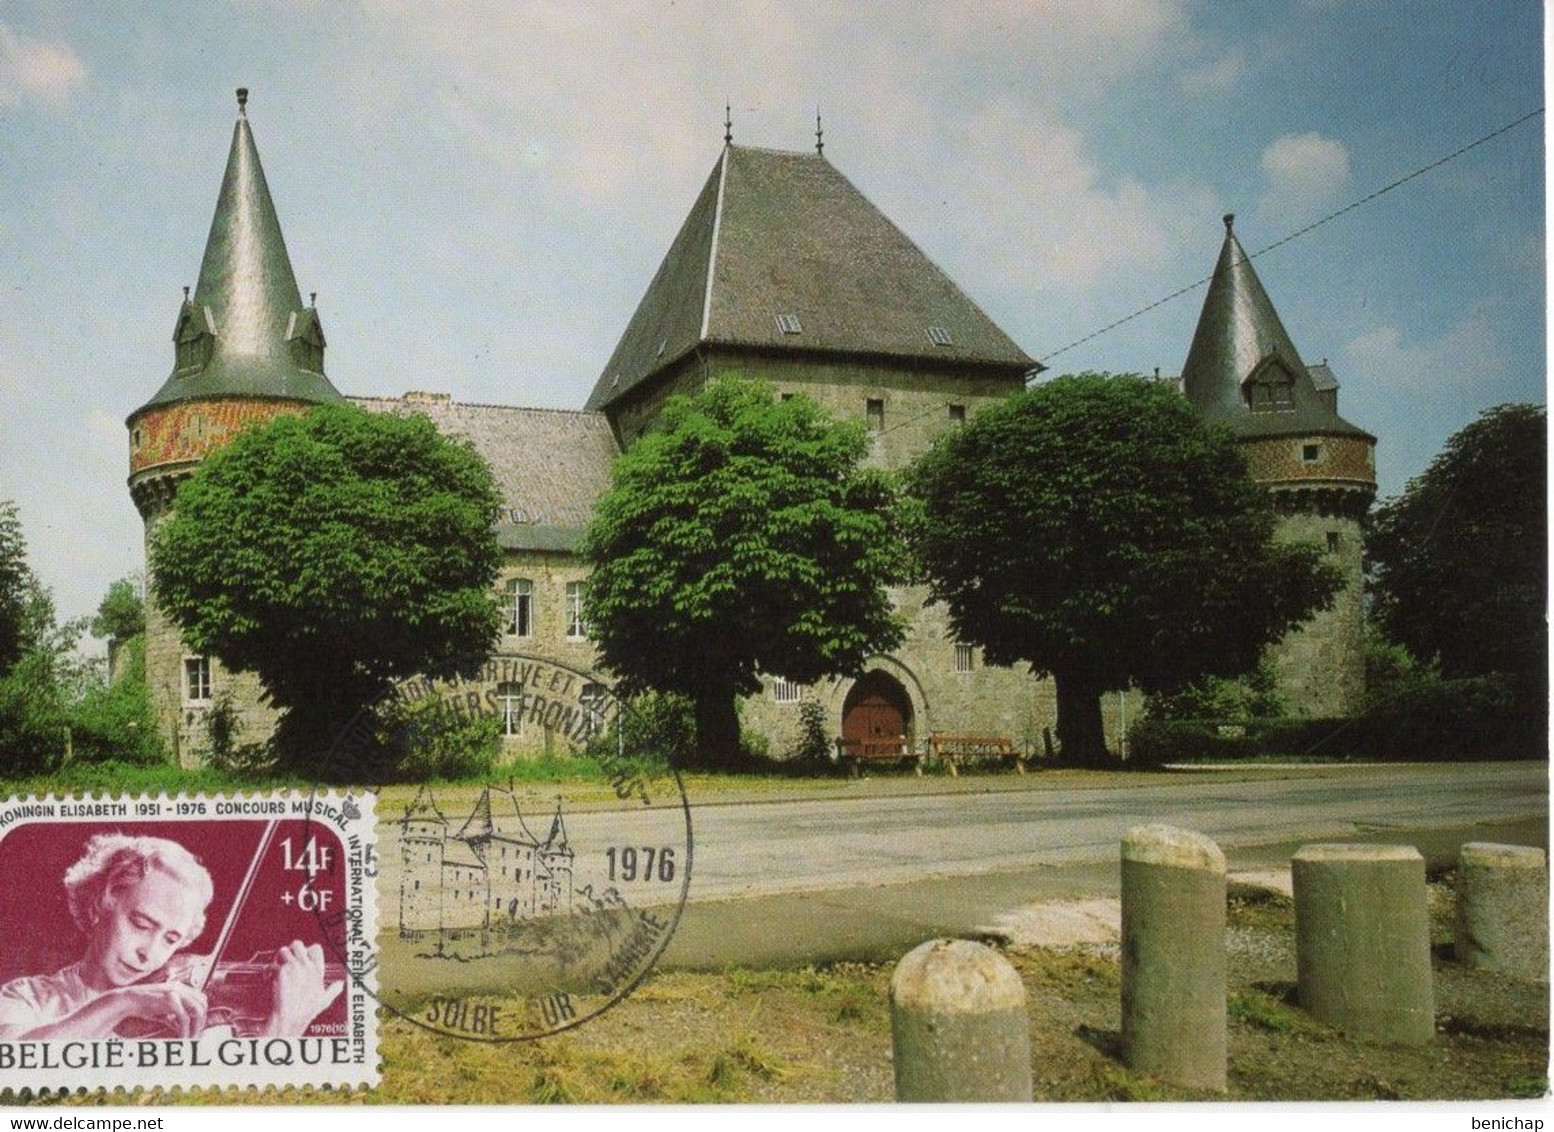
30,68
1452,360
1304,172
1215,76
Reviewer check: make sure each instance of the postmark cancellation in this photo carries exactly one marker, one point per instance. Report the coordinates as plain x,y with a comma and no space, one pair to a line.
190,941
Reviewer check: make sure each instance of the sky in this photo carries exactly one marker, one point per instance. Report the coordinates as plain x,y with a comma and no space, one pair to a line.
480,192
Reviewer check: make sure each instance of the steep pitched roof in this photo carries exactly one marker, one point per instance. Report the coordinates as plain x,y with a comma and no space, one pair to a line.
785,234
1239,336
550,465
259,339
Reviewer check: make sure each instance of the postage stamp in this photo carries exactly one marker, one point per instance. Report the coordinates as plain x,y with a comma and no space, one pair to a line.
193,941
512,913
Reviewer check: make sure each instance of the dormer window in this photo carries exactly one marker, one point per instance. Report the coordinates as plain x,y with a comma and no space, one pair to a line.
191,340
1270,388
939,336
789,324
305,336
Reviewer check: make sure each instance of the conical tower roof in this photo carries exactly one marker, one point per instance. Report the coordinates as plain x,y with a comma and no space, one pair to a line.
781,252
478,826
1241,340
245,333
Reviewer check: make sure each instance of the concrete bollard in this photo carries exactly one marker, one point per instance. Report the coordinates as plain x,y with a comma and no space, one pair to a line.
1362,940
1173,956
1503,909
958,1025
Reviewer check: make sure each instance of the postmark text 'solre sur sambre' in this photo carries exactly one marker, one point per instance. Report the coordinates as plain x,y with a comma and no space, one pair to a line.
188,941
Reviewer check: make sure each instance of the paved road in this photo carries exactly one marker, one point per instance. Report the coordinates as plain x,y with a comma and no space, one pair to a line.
820,878
747,850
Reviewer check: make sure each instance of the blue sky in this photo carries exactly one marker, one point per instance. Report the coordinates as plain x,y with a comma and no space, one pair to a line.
480,192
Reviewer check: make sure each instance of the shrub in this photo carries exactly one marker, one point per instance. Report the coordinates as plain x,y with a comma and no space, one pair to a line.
814,746
34,729
658,727
113,722
1425,719
424,739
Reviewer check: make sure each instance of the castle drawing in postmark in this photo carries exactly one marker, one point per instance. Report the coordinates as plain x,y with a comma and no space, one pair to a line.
200,941
510,913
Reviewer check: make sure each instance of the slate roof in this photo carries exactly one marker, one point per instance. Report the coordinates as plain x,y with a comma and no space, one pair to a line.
248,295
1238,332
550,465
776,233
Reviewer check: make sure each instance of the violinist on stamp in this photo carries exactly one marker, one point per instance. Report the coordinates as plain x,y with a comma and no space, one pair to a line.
140,902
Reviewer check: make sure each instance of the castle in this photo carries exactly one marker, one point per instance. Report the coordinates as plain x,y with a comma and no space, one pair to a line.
491,871
783,270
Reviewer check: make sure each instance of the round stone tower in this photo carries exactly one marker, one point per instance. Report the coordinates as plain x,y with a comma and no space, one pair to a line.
1244,371
245,351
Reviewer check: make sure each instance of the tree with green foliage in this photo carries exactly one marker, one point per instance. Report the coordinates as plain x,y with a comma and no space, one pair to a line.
121,614
1457,563
1094,528
741,537
332,554
26,610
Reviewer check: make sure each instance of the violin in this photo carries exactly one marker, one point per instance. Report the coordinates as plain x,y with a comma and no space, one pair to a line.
239,994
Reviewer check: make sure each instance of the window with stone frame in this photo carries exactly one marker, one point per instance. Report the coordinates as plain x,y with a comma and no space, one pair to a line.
509,702
576,626
595,699
196,680
520,607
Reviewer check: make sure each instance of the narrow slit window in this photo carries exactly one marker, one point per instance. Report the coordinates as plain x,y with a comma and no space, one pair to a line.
874,411
1333,542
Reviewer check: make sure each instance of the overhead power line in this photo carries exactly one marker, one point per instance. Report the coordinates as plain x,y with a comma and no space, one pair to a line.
1299,232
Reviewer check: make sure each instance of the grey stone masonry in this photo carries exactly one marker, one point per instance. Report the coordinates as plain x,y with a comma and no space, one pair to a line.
1503,909
1173,956
958,1025
1362,940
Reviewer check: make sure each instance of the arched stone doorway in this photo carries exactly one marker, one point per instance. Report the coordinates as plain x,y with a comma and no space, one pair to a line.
877,717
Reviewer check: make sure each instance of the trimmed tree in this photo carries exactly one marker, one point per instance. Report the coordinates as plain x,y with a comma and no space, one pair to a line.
1094,528
1457,562
742,536
332,554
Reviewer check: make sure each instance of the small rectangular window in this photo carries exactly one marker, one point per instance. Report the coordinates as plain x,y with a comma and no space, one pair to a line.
958,414
786,396
874,410
196,679
576,626
964,658
1311,453
785,691
939,336
1333,542
789,324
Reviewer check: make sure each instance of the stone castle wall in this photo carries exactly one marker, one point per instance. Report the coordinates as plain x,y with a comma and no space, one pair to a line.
1340,460
1320,666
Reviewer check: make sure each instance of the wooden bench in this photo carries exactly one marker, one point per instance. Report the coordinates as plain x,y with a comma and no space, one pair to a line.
953,748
